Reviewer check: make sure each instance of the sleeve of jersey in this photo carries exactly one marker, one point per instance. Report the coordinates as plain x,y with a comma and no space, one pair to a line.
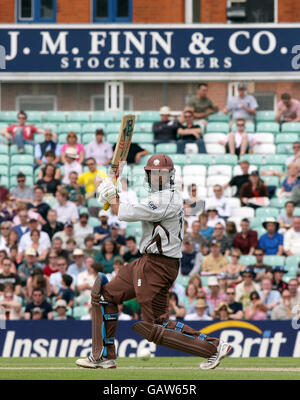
140,212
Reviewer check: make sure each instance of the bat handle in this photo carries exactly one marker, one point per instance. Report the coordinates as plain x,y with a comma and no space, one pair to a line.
106,206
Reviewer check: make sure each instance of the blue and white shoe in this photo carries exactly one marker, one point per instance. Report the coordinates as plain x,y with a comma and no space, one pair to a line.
90,362
213,361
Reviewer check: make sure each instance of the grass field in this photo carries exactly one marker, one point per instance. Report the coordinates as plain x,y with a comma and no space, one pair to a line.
163,368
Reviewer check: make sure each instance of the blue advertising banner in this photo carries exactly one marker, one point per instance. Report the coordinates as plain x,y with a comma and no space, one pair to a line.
128,48
73,339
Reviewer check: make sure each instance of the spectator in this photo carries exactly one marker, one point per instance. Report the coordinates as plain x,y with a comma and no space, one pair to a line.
284,310
223,282
7,276
239,142
50,160
214,298
278,283
165,130
243,106
113,218
202,104
127,195
22,227
109,250
288,109
79,264
71,165
256,310
87,179
66,293
8,209
72,142
114,234
66,210
197,238
270,298
223,312
295,157
205,230
76,192
296,195
22,193
99,149
26,239
133,252
51,267
260,269
289,182
191,259
244,288
86,279
117,265
271,241
56,277
192,194
235,306
37,314
102,231
52,226
286,218
40,302
47,145
135,154
57,245
48,182
27,267
200,312
234,268
61,309
82,229
215,261
12,240
295,294
213,217
189,133
190,299
176,311
37,280
224,241
21,134
246,240
239,180
89,249
66,234
5,227
253,193
221,203
3,254
38,245
9,304
38,205
230,230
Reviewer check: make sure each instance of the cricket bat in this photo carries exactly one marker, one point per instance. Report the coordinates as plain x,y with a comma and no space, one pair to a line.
122,149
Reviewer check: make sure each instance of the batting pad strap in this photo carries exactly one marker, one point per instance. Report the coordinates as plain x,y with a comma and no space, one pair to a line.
202,336
179,326
109,341
111,317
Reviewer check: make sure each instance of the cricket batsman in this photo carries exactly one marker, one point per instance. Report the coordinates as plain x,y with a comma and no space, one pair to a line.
149,278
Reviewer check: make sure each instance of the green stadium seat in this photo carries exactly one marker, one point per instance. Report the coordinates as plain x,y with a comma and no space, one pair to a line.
250,127
92,127
179,159
113,128
284,148
296,212
49,200
34,116
62,138
55,116
93,221
184,280
102,116
118,115
271,127
257,221
4,170
48,125
138,170
143,127
21,159
28,149
219,117
201,159
112,138
274,260
247,260
267,168
93,202
78,116
8,116
291,265
25,169
4,181
149,116
278,203
217,127
286,138
38,138
80,311
271,180
4,159
141,138
226,159
291,127
265,116
253,159
87,138
133,229
267,212
4,149
68,127
84,300
166,148
275,159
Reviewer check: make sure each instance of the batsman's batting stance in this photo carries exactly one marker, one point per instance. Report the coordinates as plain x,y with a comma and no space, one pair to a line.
150,277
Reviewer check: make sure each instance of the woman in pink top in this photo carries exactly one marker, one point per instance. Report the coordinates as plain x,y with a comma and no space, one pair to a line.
72,142
256,310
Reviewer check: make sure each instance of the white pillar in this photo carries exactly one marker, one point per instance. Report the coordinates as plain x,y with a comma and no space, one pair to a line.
188,11
114,96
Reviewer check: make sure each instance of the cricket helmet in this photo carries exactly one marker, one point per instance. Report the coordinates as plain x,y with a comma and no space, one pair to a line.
159,162
162,165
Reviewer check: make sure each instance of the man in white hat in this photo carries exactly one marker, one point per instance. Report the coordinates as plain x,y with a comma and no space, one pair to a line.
214,298
165,130
61,309
271,241
79,264
71,165
199,314
102,231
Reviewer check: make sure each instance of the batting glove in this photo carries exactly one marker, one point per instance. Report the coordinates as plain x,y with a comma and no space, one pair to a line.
107,191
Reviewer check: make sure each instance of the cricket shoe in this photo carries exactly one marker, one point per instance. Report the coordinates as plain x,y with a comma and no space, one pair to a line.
213,361
90,362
